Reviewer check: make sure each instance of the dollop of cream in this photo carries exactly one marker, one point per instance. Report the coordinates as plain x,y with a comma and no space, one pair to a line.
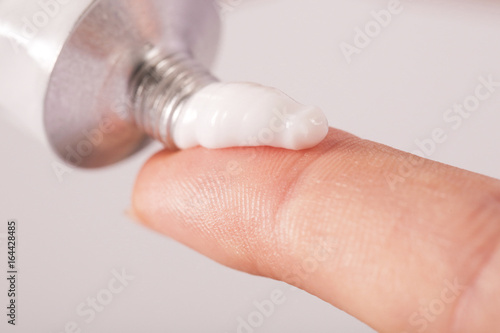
224,115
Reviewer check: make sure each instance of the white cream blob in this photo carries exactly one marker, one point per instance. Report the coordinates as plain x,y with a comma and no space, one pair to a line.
224,115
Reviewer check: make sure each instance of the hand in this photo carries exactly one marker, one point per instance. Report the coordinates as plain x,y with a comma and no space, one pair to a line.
402,243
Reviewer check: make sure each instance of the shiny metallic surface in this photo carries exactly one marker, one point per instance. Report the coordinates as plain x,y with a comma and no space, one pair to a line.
32,35
160,88
90,109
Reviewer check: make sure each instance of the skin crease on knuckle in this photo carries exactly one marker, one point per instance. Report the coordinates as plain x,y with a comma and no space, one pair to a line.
265,223
305,231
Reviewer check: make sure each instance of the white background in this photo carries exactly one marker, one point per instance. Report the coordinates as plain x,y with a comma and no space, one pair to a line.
74,233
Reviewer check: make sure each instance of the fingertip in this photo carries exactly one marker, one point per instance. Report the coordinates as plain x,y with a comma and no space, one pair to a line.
185,185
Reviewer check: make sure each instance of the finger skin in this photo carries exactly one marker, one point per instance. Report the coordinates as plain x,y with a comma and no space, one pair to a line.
402,243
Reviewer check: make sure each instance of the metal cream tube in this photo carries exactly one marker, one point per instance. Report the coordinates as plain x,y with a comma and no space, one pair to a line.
95,79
